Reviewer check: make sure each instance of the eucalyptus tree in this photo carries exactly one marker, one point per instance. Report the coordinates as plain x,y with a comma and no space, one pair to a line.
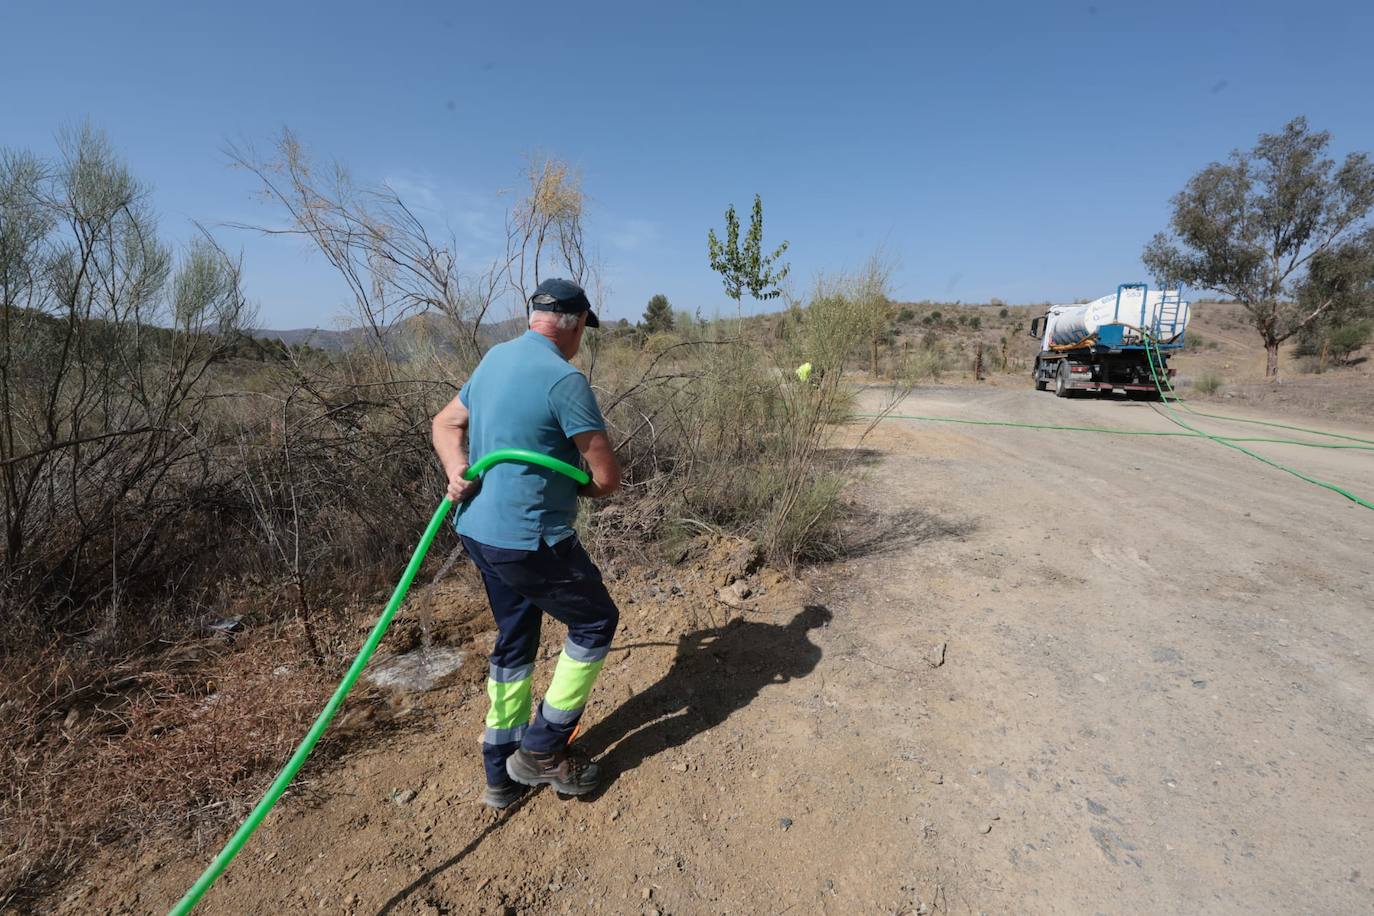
1280,228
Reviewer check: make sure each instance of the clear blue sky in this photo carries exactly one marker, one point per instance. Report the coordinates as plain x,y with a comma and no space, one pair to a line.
1018,150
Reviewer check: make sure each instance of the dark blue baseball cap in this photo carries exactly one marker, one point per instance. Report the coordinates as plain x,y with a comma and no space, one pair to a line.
563,296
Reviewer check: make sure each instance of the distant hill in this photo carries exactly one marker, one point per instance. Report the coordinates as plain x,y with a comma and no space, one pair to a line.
318,338
427,325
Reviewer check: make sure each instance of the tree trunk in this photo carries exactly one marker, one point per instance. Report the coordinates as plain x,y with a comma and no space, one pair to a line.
1271,366
308,621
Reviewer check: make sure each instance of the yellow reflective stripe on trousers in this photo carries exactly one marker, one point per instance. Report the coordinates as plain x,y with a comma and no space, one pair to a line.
510,703
572,682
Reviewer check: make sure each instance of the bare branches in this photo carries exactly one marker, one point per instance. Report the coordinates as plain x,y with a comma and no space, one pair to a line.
393,266
549,215
105,341
647,377
84,440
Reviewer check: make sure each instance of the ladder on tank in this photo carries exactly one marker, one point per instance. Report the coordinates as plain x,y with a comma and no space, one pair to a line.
1167,318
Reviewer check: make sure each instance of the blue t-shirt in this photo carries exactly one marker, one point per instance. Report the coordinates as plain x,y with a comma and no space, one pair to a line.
524,394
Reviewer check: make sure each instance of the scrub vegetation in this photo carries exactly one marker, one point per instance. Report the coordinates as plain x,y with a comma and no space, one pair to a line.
176,488
1209,383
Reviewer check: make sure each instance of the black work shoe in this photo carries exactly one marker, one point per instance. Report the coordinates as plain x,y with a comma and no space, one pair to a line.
569,772
500,797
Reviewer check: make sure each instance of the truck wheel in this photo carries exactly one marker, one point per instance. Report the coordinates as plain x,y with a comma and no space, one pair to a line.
1061,381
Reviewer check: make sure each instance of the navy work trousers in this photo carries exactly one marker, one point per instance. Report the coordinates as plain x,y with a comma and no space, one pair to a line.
522,585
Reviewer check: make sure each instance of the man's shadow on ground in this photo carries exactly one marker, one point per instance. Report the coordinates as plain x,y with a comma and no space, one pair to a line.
716,671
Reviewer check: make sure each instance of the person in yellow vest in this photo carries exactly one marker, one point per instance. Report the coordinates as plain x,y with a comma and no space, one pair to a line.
804,372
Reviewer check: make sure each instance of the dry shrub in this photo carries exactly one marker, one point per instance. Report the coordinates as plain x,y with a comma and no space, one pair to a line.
716,432
108,486
1209,382
100,751
927,363
336,481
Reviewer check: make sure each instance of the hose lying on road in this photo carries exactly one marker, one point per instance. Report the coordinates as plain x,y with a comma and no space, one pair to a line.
1190,432
1178,402
1114,432
288,772
1300,429
1152,352
1228,441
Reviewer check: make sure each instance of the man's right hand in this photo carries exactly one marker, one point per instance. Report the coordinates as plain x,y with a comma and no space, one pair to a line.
460,490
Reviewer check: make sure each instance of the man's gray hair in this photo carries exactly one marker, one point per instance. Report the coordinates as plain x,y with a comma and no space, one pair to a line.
562,320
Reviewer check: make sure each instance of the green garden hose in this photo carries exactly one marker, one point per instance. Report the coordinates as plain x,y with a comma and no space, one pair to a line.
1232,442
528,457
1111,431
1222,416
1300,429
1152,351
288,772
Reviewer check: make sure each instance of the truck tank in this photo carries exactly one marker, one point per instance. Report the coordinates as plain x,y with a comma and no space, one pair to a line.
1117,319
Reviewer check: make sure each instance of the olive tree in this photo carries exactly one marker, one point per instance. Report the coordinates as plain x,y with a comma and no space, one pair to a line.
1260,227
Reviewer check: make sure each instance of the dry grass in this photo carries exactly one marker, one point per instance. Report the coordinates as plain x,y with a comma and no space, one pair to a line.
717,433
161,741
1209,383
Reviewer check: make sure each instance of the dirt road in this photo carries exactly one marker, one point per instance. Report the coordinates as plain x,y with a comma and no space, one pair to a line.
1158,674
1066,673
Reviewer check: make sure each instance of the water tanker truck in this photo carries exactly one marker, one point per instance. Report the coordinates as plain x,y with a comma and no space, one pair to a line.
1101,345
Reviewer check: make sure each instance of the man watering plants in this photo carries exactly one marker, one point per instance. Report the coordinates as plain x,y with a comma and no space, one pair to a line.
518,529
